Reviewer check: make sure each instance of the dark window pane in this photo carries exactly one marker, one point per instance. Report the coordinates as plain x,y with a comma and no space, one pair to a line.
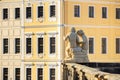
5,13
104,12
117,13
77,11
117,45
52,74
5,73
28,45
40,45
40,74
5,45
52,11
52,45
91,45
28,12
17,45
17,73
104,45
28,74
40,11
91,12
17,13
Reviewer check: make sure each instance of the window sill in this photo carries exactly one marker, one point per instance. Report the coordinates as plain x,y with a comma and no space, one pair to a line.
28,55
28,20
52,55
40,55
52,19
41,19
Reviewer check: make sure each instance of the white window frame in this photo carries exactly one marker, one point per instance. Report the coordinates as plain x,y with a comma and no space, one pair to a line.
107,12
14,72
106,44
115,45
28,66
50,67
28,35
40,65
93,45
52,19
14,46
28,19
8,14
79,10
8,46
52,34
41,19
94,11
20,12
40,35
8,72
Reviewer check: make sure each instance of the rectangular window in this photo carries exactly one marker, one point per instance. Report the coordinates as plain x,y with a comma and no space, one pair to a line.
104,45
40,45
5,46
40,11
17,45
76,11
40,74
104,12
91,45
5,13
52,45
17,73
28,12
52,74
17,13
28,73
5,73
28,45
52,11
117,45
117,13
91,12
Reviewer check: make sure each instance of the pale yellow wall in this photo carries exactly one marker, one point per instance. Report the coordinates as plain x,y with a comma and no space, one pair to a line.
96,27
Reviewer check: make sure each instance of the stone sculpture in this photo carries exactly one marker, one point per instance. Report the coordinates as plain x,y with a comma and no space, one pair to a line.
74,45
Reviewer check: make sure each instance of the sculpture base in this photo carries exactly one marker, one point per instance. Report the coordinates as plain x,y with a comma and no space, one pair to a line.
79,57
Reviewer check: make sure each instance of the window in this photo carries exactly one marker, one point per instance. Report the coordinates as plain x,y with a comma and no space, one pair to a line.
40,74
28,74
28,12
76,11
91,45
17,13
52,45
40,11
117,13
52,11
91,12
52,74
5,45
117,45
17,45
104,45
40,45
104,12
28,45
17,73
5,13
5,73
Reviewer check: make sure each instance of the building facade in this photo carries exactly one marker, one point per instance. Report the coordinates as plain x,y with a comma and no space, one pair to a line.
32,35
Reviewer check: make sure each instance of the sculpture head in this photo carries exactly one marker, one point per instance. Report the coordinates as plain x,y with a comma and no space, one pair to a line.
80,32
73,30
